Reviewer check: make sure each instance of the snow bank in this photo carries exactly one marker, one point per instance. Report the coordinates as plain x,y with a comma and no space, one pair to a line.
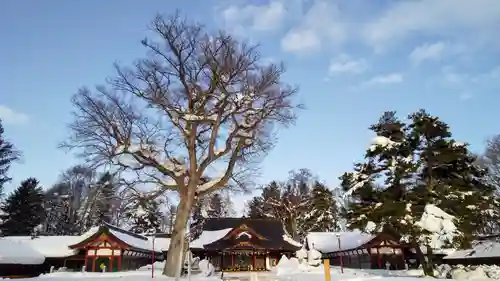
207,269
314,257
208,237
327,242
301,254
18,252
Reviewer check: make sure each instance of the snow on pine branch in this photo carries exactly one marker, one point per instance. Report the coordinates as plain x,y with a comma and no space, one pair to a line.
439,225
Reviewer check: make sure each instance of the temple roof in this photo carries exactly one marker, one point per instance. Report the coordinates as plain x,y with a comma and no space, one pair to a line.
244,233
132,240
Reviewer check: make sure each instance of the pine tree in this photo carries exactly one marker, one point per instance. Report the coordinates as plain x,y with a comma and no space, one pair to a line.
8,154
254,208
145,216
57,204
197,220
424,171
215,208
323,213
271,194
105,199
23,209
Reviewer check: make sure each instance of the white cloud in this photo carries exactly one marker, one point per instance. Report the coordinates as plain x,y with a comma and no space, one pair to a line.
10,116
452,18
301,40
241,19
345,64
427,52
392,78
319,23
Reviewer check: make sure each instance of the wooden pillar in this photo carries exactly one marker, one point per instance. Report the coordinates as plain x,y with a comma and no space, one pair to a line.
394,258
370,255
111,260
85,262
326,267
254,261
232,260
379,258
119,263
93,264
403,257
359,258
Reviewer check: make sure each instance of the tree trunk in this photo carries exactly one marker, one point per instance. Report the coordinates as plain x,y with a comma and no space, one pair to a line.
178,234
425,261
293,229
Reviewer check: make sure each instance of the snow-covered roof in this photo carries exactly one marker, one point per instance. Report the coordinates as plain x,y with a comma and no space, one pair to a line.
53,246
208,237
161,243
481,249
49,246
327,242
18,252
143,244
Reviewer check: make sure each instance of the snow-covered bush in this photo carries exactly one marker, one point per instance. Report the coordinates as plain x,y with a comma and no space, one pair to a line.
314,257
301,255
443,271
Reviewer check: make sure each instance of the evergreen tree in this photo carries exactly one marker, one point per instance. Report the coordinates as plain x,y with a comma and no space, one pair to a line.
254,208
271,195
145,216
23,209
215,208
106,198
425,173
57,204
219,206
100,203
323,213
197,220
8,154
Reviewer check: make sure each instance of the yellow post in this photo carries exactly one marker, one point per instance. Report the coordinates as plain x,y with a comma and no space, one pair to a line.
326,265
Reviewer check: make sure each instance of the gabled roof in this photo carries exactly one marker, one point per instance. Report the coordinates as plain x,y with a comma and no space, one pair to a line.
268,233
126,238
18,252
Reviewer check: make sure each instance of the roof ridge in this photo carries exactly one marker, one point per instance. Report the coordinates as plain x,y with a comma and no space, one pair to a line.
114,227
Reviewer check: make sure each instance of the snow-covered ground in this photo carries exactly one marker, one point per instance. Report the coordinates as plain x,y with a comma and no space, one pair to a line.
283,273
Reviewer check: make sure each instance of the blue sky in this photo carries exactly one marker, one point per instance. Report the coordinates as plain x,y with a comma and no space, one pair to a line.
352,60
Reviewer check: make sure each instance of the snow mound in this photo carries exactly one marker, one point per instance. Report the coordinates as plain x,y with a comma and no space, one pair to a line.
18,252
207,269
286,266
301,254
314,257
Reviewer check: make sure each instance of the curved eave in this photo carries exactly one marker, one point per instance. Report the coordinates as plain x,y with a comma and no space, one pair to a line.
103,230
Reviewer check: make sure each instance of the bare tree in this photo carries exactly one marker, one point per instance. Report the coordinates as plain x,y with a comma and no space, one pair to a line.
195,116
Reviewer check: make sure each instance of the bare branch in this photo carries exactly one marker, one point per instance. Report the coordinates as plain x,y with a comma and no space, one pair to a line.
197,114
